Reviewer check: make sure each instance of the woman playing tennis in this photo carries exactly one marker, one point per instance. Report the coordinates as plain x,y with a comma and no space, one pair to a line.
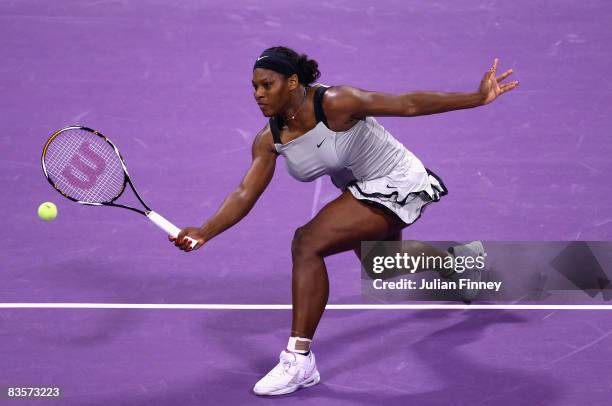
322,130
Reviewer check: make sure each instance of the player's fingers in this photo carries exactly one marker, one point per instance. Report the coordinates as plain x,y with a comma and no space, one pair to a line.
504,75
190,246
509,86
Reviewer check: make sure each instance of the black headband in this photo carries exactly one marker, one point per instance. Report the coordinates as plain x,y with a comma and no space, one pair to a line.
277,62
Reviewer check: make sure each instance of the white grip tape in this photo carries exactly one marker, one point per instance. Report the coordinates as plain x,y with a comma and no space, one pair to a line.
168,227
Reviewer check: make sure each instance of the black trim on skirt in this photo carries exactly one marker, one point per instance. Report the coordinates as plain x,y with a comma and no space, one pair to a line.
378,205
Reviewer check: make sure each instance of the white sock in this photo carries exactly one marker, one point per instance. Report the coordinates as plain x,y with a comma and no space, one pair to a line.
299,345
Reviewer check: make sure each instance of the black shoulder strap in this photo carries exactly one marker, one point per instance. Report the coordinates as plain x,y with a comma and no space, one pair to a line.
275,130
318,104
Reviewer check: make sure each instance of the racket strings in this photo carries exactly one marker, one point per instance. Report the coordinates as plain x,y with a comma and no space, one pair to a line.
84,166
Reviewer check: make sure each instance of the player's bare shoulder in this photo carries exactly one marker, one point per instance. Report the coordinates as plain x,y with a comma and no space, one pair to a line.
263,144
340,104
340,97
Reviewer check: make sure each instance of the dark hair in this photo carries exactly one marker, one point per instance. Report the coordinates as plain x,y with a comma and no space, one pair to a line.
308,68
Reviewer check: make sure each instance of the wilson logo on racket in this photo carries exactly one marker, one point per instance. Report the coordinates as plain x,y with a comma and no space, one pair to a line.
89,166
84,166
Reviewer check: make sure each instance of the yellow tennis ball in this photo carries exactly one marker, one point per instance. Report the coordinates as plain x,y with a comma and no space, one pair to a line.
47,211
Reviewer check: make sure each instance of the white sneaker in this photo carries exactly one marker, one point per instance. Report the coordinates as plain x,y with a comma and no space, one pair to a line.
294,371
473,249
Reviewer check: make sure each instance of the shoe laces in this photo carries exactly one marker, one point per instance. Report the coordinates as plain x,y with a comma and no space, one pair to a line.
287,360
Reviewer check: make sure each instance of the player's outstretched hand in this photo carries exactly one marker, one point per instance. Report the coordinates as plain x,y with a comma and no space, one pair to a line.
490,86
183,243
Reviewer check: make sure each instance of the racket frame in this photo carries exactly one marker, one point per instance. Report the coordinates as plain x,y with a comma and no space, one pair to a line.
126,176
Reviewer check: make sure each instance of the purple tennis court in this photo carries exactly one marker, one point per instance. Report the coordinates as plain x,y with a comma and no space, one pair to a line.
170,85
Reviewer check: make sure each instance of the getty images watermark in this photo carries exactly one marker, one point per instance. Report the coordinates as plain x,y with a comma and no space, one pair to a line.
551,271
404,262
403,270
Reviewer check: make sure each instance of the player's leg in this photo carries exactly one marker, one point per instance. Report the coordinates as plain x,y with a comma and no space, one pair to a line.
436,257
338,227
397,236
415,248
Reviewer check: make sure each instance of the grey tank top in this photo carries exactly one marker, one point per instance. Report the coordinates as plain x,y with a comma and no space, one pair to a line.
365,151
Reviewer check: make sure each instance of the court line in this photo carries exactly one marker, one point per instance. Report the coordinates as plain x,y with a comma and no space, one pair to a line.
229,306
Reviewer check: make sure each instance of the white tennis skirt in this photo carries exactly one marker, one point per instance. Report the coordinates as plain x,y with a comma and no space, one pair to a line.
405,191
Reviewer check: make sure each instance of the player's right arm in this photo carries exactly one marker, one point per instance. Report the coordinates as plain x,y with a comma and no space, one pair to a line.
239,202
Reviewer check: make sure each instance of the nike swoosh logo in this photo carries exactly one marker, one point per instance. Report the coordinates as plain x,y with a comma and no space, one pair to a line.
392,187
321,143
262,57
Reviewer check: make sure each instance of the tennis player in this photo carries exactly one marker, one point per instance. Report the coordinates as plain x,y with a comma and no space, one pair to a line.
322,130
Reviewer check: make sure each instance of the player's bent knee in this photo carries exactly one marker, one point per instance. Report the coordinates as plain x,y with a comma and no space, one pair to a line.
304,243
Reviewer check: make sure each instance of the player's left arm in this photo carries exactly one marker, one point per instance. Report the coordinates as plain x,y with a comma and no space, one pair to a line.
358,103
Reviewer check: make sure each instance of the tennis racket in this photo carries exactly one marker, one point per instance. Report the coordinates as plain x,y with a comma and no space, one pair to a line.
87,168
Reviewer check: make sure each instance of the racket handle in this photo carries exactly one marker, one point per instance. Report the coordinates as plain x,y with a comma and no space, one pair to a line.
167,226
